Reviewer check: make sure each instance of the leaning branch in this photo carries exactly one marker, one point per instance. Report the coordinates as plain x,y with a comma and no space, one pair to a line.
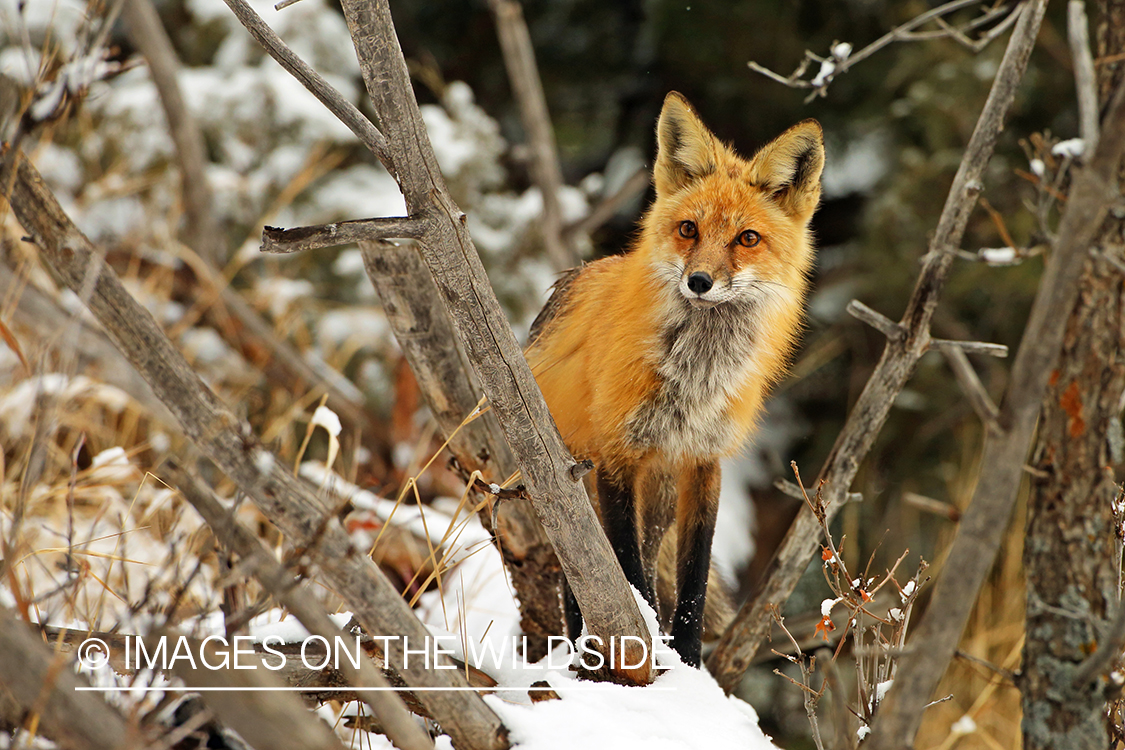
392,713
982,528
45,686
544,462
742,639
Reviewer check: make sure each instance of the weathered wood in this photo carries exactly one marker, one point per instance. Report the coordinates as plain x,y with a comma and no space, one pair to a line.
751,625
544,462
425,333
232,445
1070,517
982,527
277,240
252,702
44,684
393,715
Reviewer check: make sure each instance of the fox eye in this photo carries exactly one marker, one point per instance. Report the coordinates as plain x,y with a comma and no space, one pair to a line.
749,238
688,230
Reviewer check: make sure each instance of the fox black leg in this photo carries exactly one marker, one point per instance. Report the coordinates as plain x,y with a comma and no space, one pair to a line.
619,517
656,498
695,516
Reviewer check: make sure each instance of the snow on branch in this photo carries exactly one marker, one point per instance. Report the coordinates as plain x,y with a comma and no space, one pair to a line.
840,58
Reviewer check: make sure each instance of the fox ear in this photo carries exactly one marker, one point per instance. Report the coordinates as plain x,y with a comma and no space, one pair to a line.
790,167
685,148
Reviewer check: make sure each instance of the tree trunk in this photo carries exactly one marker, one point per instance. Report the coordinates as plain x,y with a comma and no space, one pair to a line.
1070,553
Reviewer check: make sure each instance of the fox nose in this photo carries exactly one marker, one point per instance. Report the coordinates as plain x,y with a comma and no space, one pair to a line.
700,282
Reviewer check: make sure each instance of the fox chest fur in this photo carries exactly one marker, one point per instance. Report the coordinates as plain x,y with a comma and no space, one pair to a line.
701,361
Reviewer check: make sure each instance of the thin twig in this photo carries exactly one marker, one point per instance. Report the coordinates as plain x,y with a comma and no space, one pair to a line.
970,347
970,383
833,66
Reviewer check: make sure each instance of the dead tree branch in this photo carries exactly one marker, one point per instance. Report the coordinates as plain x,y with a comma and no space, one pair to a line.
982,527
43,685
281,241
232,446
1078,35
738,645
392,713
345,111
523,73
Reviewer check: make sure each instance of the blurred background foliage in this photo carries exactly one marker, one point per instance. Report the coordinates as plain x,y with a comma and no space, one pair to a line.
895,126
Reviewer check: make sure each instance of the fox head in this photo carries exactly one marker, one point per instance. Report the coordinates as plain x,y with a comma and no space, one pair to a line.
723,228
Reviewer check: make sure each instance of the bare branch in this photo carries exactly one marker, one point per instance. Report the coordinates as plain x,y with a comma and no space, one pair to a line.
970,347
841,60
519,59
981,530
561,504
283,241
45,684
1078,34
421,322
930,505
344,110
971,385
751,624
400,726
876,320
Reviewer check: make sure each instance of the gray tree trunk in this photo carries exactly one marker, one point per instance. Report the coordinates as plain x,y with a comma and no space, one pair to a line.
1069,554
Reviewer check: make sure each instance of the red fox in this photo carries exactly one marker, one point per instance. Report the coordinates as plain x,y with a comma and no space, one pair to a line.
655,363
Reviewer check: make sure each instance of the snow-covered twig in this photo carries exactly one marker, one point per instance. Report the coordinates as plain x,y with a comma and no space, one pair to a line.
840,58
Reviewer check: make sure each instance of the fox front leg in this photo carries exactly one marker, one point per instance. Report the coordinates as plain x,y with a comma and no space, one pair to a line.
695,517
618,501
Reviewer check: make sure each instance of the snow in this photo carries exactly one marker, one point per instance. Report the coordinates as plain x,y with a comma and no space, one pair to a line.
683,709
999,256
827,605
827,68
907,590
841,51
111,465
1071,149
964,725
327,419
